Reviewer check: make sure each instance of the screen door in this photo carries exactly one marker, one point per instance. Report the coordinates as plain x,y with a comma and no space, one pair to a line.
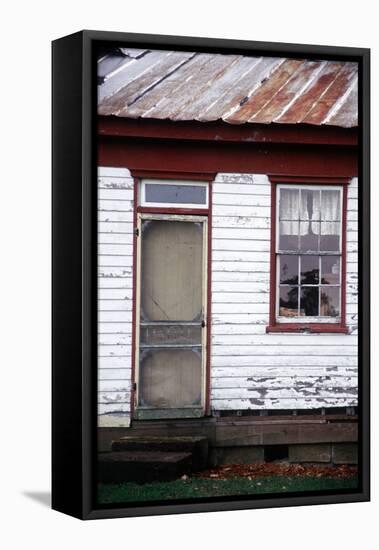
171,310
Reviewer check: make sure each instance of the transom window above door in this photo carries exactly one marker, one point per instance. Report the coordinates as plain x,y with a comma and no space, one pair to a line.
173,193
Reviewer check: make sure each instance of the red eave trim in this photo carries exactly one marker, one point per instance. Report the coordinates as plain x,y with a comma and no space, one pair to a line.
222,131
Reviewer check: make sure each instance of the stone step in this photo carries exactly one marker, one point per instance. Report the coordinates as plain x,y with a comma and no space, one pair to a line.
197,445
142,466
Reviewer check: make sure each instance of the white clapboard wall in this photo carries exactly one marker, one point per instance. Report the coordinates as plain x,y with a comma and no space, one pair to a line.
249,368
252,369
115,268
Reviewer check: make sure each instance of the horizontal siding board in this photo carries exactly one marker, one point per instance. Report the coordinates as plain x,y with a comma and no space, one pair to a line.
115,267
283,360
283,403
270,350
298,391
265,371
276,381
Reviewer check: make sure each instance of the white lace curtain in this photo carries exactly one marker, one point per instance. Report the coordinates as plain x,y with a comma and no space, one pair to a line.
310,206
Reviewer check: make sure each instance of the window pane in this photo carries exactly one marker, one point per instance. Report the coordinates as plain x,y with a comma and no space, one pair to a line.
288,304
309,236
330,270
289,204
309,301
289,267
310,205
289,236
330,205
330,301
190,194
330,237
310,270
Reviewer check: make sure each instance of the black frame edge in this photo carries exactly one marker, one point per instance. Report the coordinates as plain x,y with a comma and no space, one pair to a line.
67,421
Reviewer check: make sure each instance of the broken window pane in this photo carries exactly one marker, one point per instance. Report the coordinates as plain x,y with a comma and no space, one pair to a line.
173,193
330,270
310,270
288,303
289,267
330,301
309,301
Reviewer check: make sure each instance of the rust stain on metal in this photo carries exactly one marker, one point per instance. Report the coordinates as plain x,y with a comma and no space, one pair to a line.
237,89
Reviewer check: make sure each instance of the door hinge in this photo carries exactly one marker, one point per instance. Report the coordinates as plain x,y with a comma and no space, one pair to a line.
136,232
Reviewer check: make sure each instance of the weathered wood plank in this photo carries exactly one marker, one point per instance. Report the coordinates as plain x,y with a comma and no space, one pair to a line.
278,382
240,234
262,277
275,340
241,189
238,178
110,194
292,370
111,272
270,350
114,374
115,249
243,267
114,340
233,288
110,172
114,362
242,307
114,205
287,403
114,328
113,397
112,385
116,350
283,360
115,293
241,245
243,201
116,217
115,316
115,238
247,222
298,391
111,261
114,282
115,227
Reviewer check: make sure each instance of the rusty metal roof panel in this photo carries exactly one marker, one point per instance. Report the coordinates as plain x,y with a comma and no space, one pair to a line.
174,85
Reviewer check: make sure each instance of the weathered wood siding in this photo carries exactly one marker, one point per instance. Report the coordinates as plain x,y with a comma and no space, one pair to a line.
249,368
115,262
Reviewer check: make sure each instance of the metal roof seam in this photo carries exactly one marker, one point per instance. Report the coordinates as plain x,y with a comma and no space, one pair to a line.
340,102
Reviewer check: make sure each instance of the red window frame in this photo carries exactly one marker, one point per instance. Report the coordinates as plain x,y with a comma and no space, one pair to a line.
274,326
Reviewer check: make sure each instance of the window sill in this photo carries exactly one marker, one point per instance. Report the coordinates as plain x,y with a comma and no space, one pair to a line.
309,328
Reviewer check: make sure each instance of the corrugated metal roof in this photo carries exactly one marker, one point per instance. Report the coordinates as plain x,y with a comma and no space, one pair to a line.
237,89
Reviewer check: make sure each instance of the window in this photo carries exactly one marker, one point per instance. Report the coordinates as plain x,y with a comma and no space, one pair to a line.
308,258
175,193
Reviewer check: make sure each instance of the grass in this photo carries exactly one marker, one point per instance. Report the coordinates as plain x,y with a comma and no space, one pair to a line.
204,487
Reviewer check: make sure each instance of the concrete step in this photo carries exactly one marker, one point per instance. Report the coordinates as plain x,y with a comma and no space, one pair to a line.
196,445
142,466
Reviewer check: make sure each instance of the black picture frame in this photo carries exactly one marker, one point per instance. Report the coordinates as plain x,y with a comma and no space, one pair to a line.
74,313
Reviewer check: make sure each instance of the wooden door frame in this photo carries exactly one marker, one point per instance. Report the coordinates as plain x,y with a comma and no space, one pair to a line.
185,214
